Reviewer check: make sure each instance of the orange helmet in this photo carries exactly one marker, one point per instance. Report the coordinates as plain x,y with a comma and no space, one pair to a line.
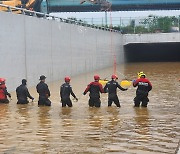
96,77
114,76
67,79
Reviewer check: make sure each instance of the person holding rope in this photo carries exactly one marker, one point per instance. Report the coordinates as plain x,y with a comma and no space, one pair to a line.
65,92
111,89
144,86
94,88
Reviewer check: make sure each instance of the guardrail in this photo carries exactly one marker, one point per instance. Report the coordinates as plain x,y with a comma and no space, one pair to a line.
50,17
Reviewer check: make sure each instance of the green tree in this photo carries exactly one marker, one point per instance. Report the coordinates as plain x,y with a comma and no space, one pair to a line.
162,24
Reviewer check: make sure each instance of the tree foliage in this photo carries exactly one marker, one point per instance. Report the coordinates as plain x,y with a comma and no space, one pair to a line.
151,24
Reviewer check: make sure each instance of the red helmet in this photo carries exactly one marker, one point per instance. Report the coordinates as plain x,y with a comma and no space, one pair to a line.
114,76
67,79
2,81
96,77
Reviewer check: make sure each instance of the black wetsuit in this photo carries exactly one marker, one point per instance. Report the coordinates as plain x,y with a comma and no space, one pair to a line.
44,94
23,94
95,88
111,88
65,91
144,86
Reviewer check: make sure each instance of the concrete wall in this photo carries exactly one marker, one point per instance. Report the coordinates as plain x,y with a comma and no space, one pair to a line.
151,38
31,46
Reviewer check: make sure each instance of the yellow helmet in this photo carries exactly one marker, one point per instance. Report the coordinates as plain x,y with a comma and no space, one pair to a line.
140,74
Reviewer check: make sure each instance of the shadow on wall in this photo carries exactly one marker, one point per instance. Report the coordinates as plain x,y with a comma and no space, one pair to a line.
152,52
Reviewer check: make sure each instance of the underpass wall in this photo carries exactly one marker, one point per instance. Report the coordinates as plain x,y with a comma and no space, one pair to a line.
31,46
154,47
151,38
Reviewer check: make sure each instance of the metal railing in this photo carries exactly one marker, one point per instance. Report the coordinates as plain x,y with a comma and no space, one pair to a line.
51,17
139,25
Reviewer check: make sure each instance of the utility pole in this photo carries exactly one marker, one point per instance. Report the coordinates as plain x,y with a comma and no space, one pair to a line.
106,18
120,24
178,23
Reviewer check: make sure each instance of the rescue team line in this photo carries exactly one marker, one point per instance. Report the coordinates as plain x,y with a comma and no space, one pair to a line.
123,83
94,88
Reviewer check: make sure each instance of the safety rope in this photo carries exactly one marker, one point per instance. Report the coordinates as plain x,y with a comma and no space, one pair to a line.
111,47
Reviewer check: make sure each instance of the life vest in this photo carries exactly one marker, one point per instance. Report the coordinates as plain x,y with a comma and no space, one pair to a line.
2,91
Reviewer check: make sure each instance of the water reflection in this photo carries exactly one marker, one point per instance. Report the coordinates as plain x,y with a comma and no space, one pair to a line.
65,112
66,118
4,134
4,111
142,120
113,118
44,122
94,130
23,111
44,117
95,119
67,123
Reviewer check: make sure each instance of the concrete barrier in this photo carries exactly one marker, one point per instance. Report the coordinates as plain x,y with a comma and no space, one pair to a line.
32,46
151,38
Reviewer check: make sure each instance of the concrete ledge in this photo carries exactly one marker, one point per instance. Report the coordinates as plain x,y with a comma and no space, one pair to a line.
151,38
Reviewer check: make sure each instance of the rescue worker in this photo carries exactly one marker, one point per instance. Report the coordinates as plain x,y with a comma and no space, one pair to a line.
95,88
111,88
23,93
3,92
44,93
144,86
65,91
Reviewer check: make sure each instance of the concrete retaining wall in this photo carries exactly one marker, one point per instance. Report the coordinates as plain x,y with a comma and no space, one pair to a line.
151,38
31,46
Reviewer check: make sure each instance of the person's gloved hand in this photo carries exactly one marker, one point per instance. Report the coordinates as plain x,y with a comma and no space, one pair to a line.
126,89
106,91
47,95
133,81
76,99
32,99
84,93
9,95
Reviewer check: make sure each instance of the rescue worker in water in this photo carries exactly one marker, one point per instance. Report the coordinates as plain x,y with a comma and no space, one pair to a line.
44,93
111,88
65,91
3,92
23,93
95,88
144,86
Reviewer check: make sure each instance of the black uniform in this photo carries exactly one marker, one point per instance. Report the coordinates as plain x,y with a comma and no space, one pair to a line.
22,94
65,91
44,94
144,86
111,88
95,88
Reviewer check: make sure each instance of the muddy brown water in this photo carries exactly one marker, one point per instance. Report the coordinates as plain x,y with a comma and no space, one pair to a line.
80,129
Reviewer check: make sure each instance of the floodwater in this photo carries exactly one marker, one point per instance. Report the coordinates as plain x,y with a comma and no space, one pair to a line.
154,130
